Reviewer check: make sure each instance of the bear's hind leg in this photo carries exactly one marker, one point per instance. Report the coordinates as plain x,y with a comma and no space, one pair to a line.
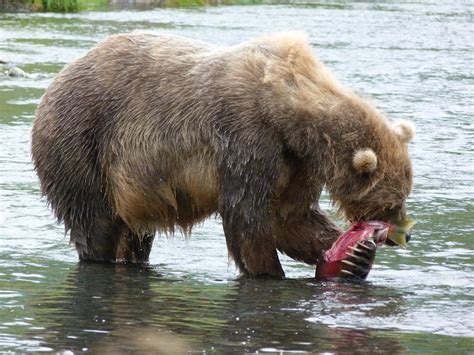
134,248
97,241
111,240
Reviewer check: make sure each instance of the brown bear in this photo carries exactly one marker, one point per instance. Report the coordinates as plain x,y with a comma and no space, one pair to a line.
147,132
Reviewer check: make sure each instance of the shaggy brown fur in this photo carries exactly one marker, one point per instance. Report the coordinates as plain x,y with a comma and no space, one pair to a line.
148,132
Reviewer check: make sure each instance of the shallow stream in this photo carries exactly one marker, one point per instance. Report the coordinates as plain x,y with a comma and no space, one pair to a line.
413,58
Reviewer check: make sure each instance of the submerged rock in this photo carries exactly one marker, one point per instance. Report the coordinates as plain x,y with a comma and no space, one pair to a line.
16,72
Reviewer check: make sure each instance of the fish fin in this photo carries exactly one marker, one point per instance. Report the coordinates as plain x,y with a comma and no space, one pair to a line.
407,224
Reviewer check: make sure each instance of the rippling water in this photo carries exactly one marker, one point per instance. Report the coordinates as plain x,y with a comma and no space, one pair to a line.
415,59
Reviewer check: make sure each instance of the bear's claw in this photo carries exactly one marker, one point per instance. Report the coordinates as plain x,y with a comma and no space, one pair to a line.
359,261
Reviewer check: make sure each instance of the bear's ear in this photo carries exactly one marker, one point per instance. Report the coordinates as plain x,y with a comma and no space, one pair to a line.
404,129
364,161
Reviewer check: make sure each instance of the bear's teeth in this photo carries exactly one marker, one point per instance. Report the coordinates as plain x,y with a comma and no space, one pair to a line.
357,249
354,256
349,263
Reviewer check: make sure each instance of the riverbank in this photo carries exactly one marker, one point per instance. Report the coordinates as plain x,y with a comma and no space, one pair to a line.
50,5
81,5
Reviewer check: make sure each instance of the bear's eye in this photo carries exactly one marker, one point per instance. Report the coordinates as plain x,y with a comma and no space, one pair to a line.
393,213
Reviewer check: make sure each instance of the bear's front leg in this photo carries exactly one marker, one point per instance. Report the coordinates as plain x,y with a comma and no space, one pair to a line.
244,206
251,246
304,236
250,164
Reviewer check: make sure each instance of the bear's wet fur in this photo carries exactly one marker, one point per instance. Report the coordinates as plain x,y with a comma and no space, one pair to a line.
147,132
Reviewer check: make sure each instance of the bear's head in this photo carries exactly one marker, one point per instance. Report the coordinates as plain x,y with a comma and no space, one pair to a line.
378,178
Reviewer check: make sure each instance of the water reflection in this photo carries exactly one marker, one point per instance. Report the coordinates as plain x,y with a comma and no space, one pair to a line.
99,304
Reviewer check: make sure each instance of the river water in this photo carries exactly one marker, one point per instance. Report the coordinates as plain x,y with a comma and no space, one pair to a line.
414,59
